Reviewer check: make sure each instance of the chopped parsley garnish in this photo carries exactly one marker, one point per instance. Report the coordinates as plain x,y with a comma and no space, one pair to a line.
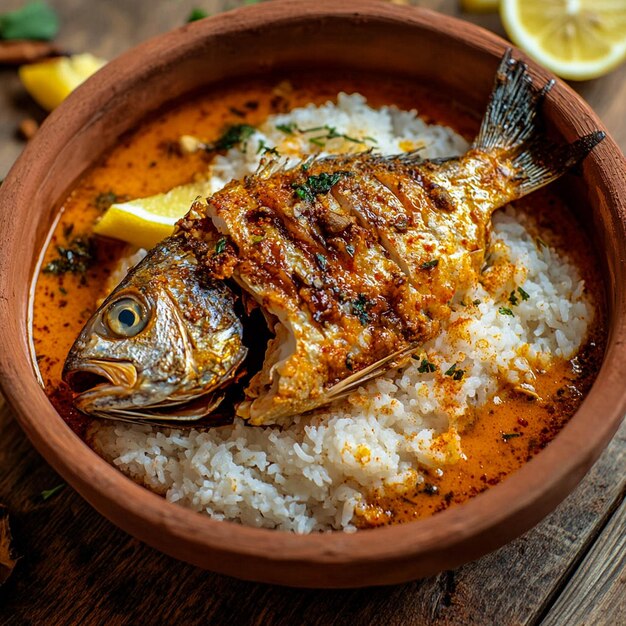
359,308
507,436
36,20
429,265
196,14
322,260
233,135
220,246
265,149
505,311
288,129
426,367
303,192
258,238
454,372
327,133
316,185
514,300
48,493
77,258
476,302
104,200
430,489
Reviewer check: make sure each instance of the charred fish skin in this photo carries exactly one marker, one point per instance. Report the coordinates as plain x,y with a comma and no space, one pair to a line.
352,259
163,338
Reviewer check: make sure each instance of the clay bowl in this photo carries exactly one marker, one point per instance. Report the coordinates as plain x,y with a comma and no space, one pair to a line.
361,34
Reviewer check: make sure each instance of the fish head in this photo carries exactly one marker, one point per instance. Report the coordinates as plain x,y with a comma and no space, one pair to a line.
162,340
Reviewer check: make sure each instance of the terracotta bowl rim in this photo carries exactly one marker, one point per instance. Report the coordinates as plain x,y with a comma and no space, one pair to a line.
561,463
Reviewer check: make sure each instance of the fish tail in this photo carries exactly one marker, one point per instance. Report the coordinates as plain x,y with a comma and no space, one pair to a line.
511,124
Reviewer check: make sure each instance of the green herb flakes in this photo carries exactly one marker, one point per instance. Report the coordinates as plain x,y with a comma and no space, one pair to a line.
317,185
525,296
426,367
507,436
321,260
36,20
288,129
505,311
325,133
49,493
104,200
513,298
76,258
359,308
196,14
454,372
265,149
220,246
429,265
233,136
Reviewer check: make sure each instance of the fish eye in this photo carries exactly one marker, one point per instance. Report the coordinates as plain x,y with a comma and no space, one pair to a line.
125,317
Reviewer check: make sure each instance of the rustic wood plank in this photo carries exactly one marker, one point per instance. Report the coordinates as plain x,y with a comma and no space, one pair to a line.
77,567
596,593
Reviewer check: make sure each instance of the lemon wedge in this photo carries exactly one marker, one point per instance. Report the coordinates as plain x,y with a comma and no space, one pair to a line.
479,6
50,82
146,221
576,39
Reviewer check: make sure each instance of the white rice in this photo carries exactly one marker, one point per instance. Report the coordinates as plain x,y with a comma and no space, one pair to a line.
312,476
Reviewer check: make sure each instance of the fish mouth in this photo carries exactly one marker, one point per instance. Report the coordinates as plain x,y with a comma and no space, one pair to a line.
97,380
93,377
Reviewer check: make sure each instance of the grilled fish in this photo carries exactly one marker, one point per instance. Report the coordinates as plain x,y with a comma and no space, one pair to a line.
353,261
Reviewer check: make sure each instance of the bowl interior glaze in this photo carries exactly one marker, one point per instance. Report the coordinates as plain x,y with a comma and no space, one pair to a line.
362,35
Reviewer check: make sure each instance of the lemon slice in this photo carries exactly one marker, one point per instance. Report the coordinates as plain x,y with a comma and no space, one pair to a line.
50,82
146,221
576,39
479,6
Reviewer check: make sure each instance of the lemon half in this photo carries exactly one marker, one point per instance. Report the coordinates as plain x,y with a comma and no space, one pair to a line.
576,39
146,221
50,82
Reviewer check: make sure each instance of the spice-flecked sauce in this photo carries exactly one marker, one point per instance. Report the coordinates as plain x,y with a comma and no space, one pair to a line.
499,439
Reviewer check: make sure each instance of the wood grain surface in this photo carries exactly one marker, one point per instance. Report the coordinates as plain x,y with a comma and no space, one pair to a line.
76,567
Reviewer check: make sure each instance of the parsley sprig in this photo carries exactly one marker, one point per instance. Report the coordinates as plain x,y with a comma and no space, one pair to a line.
426,367
454,372
316,185
322,134
233,136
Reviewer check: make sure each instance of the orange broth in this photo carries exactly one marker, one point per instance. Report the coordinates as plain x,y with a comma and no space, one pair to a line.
146,161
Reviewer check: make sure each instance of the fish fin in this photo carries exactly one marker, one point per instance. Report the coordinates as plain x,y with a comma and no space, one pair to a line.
511,123
269,167
414,157
350,383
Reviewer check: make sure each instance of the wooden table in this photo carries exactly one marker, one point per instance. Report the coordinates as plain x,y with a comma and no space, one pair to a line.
76,567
